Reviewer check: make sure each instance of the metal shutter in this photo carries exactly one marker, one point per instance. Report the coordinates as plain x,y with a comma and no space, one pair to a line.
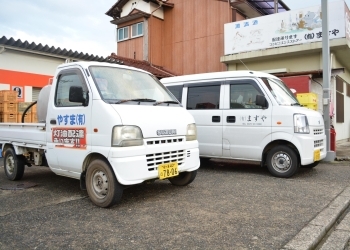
35,94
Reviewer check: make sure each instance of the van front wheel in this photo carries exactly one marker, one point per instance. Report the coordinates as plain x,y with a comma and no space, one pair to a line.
103,188
183,178
282,162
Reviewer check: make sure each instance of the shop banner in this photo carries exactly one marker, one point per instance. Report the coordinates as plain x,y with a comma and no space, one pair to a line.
286,28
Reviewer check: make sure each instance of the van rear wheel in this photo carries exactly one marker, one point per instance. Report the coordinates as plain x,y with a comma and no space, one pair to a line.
183,178
13,165
103,188
282,162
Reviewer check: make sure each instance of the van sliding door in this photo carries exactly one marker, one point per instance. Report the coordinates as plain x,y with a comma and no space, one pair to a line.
203,102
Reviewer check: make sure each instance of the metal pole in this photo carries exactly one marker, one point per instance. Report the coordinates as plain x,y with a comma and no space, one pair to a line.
326,78
276,6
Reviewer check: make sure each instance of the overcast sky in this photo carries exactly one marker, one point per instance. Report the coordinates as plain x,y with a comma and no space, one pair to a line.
79,25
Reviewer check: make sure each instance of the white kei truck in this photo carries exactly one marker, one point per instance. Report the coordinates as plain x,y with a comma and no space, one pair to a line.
108,125
253,117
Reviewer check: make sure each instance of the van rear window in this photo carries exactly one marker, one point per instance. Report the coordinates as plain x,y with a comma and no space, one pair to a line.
203,97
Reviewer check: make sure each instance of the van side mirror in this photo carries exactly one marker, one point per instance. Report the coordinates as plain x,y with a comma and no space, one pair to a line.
76,94
261,101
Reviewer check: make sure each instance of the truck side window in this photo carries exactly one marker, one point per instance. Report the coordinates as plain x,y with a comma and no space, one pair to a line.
176,91
243,96
203,97
65,81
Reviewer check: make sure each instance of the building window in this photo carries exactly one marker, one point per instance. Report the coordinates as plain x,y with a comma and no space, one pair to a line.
137,30
123,34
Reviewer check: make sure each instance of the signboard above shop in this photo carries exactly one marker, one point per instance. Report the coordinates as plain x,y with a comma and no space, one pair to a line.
286,29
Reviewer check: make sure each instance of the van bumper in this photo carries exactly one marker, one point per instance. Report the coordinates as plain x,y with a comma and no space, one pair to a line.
307,145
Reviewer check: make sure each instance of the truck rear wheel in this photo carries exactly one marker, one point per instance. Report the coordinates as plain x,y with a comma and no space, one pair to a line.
183,178
282,162
103,188
13,165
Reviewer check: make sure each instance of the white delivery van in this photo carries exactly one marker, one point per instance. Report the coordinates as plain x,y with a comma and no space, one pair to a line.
109,125
251,116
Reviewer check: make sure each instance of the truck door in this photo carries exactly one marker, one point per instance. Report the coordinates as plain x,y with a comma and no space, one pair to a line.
246,126
203,102
69,121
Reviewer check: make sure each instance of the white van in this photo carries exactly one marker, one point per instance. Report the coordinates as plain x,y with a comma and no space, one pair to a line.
251,116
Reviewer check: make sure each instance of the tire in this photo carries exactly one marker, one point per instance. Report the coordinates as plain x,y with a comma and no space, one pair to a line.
103,188
282,161
13,165
312,165
183,178
204,161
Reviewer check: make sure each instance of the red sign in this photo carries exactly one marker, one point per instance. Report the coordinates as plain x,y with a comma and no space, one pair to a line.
69,137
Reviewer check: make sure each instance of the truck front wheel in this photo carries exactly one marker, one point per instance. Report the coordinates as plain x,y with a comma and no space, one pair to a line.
103,188
13,165
183,178
282,162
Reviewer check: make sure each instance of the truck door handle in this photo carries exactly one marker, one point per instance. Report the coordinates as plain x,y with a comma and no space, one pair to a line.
231,119
53,122
215,119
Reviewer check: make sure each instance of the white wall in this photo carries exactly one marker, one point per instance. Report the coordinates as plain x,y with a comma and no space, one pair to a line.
143,6
27,62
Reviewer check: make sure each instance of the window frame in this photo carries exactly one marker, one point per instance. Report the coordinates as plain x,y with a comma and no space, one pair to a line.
124,37
137,29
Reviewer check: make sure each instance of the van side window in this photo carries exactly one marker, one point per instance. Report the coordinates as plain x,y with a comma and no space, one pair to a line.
65,81
176,91
203,97
243,96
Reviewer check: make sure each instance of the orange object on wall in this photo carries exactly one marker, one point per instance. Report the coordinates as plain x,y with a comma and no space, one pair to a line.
16,78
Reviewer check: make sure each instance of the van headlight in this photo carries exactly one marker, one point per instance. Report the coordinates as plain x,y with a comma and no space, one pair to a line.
191,133
301,125
126,136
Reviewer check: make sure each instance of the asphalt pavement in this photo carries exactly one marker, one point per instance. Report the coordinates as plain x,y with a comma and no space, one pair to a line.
228,206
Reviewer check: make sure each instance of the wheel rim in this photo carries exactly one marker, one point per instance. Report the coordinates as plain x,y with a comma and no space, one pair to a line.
10,165
281,162
100,184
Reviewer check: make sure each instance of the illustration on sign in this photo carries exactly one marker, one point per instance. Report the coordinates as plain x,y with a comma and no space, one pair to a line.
69,137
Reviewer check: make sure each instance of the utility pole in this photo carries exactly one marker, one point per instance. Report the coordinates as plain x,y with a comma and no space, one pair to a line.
326,78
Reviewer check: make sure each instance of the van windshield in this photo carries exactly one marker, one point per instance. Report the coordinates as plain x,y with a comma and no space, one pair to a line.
118,85
282,94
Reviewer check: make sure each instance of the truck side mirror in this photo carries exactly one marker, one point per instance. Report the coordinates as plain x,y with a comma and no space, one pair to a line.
261,101
76,94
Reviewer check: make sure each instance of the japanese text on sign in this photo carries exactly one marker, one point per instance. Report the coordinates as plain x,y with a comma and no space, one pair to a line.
69,137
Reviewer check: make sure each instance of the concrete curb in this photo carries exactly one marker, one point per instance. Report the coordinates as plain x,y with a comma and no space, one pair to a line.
311,235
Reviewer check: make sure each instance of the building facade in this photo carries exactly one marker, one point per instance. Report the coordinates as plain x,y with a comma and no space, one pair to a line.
200,36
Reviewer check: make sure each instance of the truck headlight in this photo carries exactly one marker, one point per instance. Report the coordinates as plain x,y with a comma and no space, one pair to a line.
126,136
301,125
191,133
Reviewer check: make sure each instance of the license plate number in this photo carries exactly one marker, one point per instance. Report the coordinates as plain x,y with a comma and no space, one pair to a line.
317,155
167,170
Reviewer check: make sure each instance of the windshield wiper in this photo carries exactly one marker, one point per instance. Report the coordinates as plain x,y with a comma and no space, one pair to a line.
135,100
295,104
168,102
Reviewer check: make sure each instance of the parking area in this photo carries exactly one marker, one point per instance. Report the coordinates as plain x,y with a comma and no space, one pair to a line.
228,206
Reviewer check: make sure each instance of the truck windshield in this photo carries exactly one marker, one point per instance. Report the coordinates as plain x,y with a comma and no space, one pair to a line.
282,94
118,85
